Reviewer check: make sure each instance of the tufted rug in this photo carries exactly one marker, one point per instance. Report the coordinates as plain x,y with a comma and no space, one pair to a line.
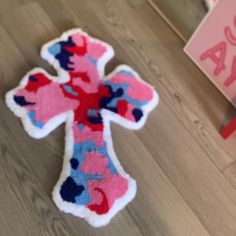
92,185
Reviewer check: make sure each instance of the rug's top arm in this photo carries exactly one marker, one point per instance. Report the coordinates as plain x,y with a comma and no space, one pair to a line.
75,51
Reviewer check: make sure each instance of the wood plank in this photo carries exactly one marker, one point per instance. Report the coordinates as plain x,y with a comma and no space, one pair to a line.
38,213
230,173
183,17
29,44
158,208
8,6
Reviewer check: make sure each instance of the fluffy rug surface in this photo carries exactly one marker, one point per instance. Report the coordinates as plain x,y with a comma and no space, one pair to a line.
92,185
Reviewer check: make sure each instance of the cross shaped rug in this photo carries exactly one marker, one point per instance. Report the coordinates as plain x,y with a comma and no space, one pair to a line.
92,185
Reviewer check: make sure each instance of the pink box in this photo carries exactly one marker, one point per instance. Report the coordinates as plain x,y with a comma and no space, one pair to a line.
213,47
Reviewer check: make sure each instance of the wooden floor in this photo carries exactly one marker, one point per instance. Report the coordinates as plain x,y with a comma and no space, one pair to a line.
186,174
183,17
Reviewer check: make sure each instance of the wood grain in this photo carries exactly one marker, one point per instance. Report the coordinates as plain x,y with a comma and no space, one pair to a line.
184,171
183,17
